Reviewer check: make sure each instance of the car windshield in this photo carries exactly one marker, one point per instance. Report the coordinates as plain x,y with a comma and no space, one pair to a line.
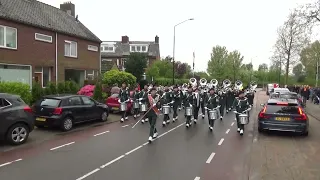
50,102
289,96
282,109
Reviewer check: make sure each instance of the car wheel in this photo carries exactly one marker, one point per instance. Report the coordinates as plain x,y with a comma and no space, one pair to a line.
67,124
18,134
305,133
104,116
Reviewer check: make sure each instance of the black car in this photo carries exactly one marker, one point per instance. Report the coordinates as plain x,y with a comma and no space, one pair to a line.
64,111
283,115
16,119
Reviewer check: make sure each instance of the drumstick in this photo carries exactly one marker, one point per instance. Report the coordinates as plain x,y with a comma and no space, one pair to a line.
141,118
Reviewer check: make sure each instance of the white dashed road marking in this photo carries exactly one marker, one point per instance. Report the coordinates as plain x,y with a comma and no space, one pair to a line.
197,178
221,141
227,131
127,153
232,124
8,163
61,146
126,125
210,158
101,133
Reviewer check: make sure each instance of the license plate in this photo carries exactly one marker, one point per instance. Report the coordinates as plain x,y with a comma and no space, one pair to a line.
115,108
282,119
41,119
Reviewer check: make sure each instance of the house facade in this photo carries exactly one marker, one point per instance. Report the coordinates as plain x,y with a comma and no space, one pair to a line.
41,43
116,52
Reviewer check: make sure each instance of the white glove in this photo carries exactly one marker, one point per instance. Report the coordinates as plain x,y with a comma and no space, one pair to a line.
140,103
119,101
154,105
140,99
172,102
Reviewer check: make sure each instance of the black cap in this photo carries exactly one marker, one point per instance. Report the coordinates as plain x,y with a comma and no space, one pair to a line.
241,92
175,87
212,89
153,89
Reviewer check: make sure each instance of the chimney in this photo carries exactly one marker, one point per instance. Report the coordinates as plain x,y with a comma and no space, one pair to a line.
125,39
69,8
156,40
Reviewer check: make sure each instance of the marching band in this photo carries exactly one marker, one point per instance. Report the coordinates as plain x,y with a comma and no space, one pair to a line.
210,98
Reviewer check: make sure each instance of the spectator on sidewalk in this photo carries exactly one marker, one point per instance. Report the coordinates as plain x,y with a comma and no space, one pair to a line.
305,93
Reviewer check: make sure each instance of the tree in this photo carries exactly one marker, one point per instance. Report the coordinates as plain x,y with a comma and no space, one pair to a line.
309,57
202,74
292,37
217,63
118,77
153,72
136,64
297,70
263,67
180,69
234,64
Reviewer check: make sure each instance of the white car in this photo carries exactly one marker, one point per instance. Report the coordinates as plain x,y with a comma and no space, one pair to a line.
280,90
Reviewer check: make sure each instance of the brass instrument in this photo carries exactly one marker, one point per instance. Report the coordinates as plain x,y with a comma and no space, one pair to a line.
238,84
203,82
253,85
226,83
214,83
193,82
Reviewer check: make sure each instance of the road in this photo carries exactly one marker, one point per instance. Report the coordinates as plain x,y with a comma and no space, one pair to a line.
119,152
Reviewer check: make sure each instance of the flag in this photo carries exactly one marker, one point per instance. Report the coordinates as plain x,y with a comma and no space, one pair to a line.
194,56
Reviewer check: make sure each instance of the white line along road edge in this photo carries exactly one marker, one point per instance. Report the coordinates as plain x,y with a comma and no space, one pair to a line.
61,146
101,133
7,163
210,158
127,153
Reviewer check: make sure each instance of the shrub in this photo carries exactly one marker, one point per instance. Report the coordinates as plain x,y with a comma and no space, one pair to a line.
73,87
61,88
37,91
17,88
118,77
53,88
97,94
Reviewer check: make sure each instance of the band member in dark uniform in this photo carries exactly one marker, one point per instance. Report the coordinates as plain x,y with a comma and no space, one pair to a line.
240,104
143,99
176,102
212,103
188,101
196,103
136,97
203,99
222,102
166,98
229,100
124,97
250,96
153,104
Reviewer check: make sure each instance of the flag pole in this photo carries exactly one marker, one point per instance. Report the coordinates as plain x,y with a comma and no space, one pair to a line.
193,63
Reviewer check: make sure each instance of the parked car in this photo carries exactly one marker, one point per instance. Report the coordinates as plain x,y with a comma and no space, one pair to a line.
16,119
283,115
114,105
287,95
64,111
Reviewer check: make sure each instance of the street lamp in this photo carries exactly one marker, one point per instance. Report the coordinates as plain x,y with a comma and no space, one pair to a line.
144,76
174,45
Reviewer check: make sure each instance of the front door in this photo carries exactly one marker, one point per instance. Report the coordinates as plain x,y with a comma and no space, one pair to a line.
38,78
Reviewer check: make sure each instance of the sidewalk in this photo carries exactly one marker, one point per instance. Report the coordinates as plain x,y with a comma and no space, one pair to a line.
313,110
285,156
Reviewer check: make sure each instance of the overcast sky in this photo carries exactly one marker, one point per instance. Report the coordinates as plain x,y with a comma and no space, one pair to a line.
247,25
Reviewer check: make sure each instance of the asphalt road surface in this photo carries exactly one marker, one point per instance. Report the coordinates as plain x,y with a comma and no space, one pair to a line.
119,152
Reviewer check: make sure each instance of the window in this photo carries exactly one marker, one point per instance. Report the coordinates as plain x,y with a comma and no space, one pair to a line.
107,48
70,49
92,48
138,48
8,37
144,48
278,109
87,101
133,48
50,102
109,60
42,37
4,103
74,101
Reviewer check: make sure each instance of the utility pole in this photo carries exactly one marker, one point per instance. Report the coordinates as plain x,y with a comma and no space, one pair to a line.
317,74
279,70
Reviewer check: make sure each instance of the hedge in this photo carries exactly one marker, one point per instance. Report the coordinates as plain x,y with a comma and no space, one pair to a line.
17,88
115,76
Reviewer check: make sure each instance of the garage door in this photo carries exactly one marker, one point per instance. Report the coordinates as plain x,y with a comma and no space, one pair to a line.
15,73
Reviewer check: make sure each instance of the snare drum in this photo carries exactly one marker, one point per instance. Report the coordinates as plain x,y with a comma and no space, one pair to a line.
143,107
136,105
189,111
165,109
213,114
123,106
244,119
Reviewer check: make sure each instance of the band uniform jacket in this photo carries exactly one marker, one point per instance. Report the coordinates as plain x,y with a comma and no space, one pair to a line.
154,111
166,97
197,99
136,95
176,97
204,97
124,95
241,105
213,101
223,98
144,96
188,99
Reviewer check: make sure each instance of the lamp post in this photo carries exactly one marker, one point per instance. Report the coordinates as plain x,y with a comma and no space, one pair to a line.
144,76
174,45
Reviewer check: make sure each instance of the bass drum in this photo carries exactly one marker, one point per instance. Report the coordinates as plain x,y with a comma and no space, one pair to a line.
189,111
123,106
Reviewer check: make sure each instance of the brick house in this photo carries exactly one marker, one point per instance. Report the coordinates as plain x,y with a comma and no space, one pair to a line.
43,43
116,52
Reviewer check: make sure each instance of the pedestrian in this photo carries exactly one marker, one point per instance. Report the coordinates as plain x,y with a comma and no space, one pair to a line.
153,104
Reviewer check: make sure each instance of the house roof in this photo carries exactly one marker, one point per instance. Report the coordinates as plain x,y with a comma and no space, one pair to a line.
44,16
123,49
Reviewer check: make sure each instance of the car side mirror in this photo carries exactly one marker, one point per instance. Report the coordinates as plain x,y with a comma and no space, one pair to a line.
261,104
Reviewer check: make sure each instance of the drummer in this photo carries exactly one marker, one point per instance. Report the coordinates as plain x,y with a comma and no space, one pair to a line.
124,98
143,97
135,97
213,102
240,104
165,100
